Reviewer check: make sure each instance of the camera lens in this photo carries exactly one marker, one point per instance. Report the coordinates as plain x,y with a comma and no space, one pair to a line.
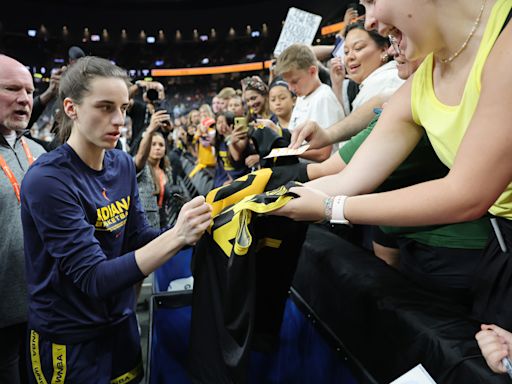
152,94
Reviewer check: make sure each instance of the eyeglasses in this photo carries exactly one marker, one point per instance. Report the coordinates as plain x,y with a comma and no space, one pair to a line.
394,44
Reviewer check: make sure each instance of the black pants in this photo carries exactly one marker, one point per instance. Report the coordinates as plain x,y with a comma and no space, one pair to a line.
449,272
493,285
12,357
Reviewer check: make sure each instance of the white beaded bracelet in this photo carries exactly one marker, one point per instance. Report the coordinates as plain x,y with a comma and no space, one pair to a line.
328,208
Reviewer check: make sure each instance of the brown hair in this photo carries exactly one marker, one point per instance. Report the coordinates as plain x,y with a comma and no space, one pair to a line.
75,84
164,165
296,56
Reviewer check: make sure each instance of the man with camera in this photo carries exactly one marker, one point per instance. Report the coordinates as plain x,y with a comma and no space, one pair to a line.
140,111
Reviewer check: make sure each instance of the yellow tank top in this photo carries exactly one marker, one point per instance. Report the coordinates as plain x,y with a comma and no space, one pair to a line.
446,125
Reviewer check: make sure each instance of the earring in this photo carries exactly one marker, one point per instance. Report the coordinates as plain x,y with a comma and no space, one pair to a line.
384,58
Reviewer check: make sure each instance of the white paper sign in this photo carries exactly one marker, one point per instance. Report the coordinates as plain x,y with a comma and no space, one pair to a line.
417,375
299,27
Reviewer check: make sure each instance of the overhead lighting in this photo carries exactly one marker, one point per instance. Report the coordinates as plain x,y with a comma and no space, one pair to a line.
95,37
32,32
150,39
255,34
205,61
264,29
86,35
159,63
203,37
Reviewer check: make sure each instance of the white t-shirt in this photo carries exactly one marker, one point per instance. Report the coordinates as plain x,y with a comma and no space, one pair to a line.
383,81
321,106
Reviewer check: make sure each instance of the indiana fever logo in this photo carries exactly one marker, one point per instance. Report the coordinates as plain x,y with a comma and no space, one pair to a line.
113,216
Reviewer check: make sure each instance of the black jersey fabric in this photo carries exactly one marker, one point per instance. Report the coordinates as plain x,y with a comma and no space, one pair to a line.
242,270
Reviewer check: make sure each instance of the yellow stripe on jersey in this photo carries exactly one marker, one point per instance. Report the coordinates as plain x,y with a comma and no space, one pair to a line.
59,363
128,376
269,242
230,229
35,358
250,184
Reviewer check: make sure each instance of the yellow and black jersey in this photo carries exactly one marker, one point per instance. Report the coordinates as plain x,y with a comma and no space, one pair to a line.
243,267
266,179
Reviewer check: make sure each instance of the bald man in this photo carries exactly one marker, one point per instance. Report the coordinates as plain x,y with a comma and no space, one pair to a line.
16,154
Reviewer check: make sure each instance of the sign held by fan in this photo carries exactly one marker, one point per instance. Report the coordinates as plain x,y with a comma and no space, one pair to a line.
299,27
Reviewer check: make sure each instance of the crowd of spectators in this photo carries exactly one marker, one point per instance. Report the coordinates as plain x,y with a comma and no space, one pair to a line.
190,136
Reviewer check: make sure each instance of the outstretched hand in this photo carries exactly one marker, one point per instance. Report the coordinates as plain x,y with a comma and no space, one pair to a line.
309,206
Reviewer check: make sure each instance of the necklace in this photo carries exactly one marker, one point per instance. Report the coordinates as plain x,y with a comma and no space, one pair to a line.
465,44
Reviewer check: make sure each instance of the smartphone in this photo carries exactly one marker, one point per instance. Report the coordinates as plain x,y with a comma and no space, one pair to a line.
241,121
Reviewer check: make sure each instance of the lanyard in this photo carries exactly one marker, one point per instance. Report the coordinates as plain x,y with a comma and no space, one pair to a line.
161,180
8,171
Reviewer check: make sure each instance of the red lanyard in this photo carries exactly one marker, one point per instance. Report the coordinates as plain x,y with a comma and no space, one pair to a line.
8,171
161,179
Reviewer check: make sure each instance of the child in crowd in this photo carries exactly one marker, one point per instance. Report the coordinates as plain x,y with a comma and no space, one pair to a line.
459,96
281,101
316,101
236,106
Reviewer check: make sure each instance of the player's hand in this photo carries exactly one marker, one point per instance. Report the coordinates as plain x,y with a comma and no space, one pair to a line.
193,219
